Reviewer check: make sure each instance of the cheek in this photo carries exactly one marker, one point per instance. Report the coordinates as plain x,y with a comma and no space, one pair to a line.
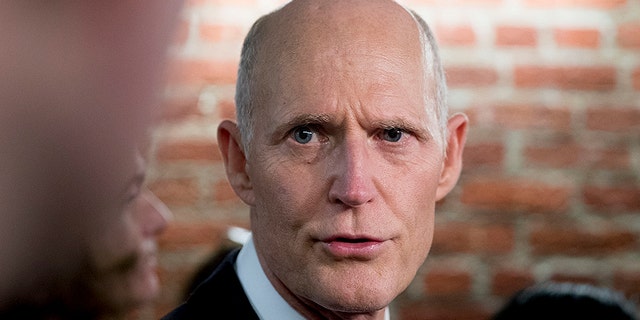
285,189
283,205
286,202
414,195
114,241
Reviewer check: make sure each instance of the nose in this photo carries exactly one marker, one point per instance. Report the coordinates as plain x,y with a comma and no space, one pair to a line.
153,213
351,172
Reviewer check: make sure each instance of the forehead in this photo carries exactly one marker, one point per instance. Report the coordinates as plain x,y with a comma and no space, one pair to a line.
367,51
379,83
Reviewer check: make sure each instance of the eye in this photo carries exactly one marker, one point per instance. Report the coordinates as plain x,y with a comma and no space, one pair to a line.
392,134
131,196
303,134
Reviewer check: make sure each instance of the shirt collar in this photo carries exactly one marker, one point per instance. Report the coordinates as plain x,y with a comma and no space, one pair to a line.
264,298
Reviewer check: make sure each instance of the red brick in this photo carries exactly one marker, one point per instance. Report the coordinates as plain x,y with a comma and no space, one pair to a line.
455,35
181,235
614,119
613,198
202,72
474,114
619,159
516,36
576,242
469,238
179,109
447,282
636,79
598,78
471,76
627,282
557,156
629,35
527,117
227,109
222,192
514,194
571,155
603,4
438,309
188,150
583,38
575,278
506,282
221,32
183,191
483,154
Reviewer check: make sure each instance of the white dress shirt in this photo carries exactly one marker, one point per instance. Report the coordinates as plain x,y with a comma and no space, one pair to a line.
264,298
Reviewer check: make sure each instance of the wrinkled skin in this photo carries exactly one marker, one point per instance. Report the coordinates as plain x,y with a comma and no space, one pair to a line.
346,164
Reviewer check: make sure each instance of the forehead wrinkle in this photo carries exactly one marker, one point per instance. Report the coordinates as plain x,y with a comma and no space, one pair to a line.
374,116
305,29
307,118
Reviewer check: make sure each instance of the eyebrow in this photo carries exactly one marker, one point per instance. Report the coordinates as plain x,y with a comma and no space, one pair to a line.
421,132
136,181
303,119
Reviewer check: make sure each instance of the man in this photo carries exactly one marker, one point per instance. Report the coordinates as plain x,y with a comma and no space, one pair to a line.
118,262
121,259
80,87
342,148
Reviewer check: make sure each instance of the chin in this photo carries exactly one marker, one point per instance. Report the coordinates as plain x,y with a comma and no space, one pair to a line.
359,307
137,289
145,287
364,300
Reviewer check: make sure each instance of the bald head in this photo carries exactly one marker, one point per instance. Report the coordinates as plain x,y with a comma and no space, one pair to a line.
340,151
334,23
309,35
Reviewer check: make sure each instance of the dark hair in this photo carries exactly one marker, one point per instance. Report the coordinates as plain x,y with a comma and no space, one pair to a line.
553,300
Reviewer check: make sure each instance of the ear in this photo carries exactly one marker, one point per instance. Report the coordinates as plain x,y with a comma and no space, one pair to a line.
235,162
452,165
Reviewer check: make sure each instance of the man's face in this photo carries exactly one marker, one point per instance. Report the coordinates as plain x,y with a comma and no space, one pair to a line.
123,257
344,169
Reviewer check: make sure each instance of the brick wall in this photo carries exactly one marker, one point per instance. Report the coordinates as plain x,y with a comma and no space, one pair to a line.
551,184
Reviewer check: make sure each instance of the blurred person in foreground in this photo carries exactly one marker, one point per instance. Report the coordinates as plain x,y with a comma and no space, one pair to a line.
342,148
565,300
81,82
120,272
118,263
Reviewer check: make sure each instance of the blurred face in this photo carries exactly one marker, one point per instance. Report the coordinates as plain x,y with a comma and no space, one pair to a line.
124,257
69,67
345,166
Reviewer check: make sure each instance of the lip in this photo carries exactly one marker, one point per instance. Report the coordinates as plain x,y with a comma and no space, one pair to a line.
151,261
148,258
353,246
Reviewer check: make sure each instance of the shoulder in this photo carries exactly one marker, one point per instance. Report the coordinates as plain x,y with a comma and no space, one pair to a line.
220,294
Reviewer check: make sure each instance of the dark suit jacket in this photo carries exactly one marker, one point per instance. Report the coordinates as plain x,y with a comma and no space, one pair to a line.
219,297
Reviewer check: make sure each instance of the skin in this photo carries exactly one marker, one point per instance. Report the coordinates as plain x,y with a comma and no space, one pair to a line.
123,258
81,84
345,166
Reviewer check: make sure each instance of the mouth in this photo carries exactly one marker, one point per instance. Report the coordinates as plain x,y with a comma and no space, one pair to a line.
353,247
